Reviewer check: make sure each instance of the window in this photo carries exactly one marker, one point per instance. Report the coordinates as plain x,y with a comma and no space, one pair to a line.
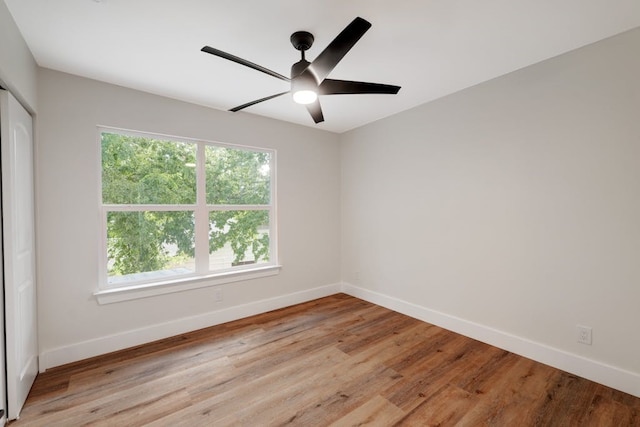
177,210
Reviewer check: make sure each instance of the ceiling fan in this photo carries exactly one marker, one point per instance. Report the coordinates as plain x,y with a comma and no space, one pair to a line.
309,79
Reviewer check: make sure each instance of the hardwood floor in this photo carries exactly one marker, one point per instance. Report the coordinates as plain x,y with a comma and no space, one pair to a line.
336,361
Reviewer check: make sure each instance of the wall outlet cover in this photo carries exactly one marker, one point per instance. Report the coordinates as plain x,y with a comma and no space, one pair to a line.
584,334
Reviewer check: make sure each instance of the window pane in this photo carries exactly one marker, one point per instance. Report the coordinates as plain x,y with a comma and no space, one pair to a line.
238,238
149,245
237,177
139,170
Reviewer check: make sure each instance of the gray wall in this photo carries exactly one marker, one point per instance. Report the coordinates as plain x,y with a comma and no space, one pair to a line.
72,324
512,206
18,69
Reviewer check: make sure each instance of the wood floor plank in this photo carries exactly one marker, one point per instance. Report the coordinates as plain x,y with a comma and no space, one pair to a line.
385,351
445,407
434,341
426,377
376,330
345,396
568,398
605,409
334,361
377,411
514,396
237,397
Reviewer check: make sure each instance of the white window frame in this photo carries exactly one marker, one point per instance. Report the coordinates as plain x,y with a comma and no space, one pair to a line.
202,276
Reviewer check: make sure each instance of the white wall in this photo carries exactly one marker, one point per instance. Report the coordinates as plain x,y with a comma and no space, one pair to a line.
18,69
72,324
510,209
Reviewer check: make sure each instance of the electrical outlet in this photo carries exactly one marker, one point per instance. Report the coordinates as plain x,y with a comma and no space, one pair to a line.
217,294
584,334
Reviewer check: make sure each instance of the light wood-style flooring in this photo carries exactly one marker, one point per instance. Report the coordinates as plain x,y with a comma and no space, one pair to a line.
336,361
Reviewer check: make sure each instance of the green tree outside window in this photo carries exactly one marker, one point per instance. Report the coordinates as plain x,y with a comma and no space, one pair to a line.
140,174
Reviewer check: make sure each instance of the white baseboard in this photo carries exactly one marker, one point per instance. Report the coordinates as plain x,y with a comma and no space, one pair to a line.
83,350
611,376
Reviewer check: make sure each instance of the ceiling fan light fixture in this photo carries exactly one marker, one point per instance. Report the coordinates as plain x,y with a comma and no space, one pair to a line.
304,87
305,97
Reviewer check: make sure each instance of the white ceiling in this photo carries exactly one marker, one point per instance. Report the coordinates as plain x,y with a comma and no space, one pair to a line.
429,47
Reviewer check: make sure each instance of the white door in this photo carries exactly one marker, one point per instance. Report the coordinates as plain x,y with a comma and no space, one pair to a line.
21,346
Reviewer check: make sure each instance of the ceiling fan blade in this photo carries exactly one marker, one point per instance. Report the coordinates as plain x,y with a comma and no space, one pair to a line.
337,49
230,57
340,87
257,101
316,111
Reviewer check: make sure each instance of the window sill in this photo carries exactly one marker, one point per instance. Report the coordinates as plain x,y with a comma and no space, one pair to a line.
109,296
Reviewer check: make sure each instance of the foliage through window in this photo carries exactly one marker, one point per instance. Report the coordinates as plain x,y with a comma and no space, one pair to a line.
175,208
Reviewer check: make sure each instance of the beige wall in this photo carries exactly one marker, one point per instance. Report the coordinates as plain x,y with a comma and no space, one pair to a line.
72,324
511,207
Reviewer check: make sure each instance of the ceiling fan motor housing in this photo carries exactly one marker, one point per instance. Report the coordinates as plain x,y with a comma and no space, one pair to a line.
299,67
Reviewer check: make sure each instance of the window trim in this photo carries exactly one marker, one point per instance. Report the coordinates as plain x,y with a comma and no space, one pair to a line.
202,276
145,290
